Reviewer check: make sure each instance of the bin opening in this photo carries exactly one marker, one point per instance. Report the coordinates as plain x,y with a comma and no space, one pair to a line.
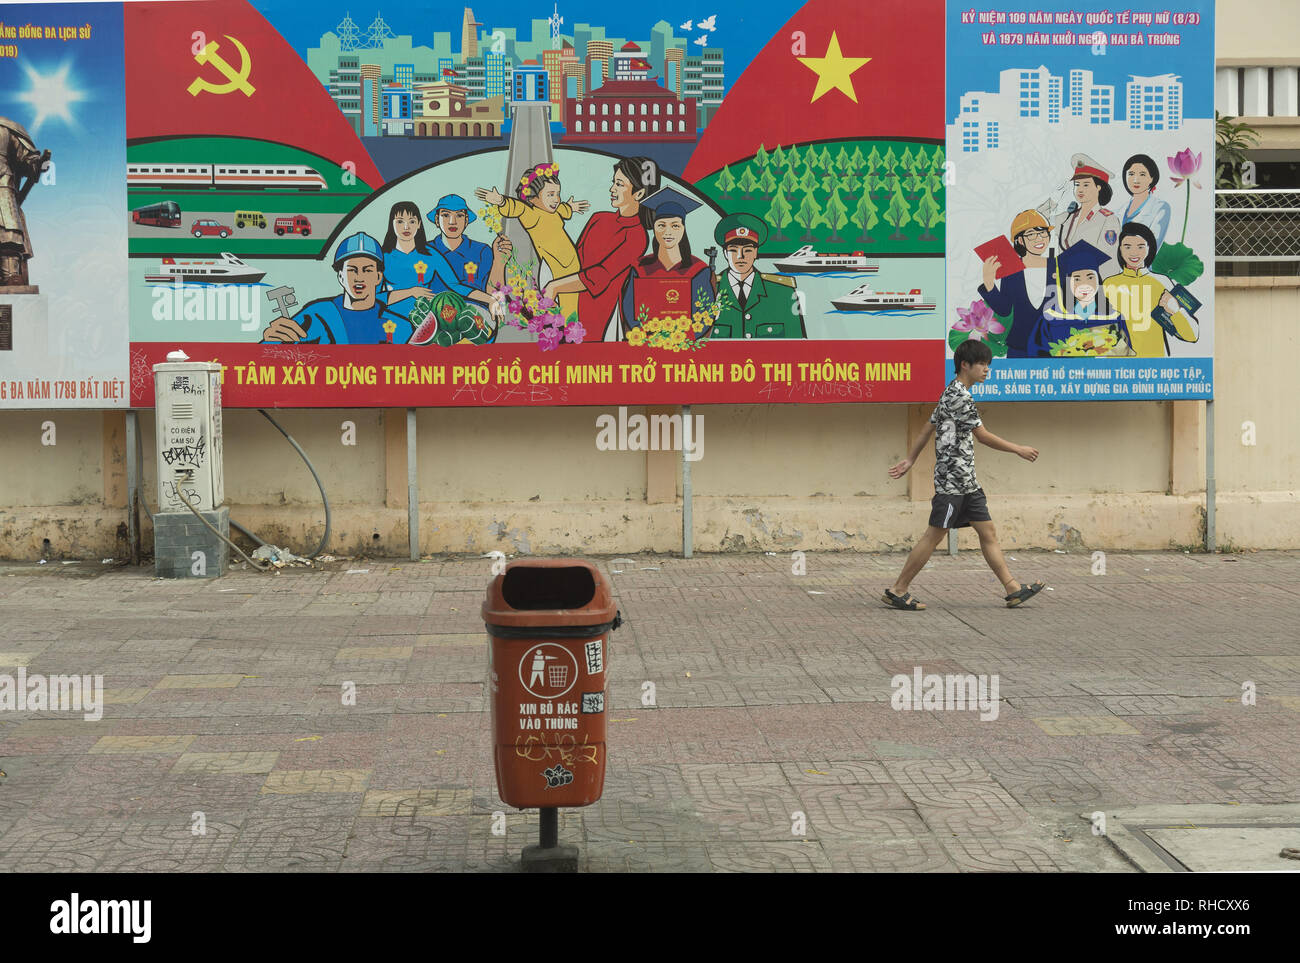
569,587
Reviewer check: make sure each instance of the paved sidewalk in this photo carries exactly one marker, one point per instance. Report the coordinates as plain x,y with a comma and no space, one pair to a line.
773,700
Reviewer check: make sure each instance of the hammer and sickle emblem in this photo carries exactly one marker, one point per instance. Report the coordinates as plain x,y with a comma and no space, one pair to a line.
238,79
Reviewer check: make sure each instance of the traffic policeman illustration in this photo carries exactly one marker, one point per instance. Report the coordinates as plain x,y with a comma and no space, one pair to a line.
358,315
753,304
1086,216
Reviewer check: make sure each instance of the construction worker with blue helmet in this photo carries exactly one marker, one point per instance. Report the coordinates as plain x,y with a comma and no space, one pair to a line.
358,315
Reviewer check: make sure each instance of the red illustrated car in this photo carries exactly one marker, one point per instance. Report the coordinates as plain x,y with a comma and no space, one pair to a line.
206,227
298,224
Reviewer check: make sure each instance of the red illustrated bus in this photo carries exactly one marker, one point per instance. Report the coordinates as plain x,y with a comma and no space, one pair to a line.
164,214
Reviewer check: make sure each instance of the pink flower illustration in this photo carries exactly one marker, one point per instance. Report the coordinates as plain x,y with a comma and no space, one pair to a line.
574,333
978,319
549,339
1183,165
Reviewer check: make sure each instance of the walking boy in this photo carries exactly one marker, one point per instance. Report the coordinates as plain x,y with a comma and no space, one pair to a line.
958,499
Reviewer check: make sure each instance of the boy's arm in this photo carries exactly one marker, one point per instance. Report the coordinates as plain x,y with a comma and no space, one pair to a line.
901,469
986,437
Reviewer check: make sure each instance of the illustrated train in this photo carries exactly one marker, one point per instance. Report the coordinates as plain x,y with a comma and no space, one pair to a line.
224,176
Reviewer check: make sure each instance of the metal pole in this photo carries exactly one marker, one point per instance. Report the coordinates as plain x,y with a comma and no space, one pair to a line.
412,488
952,541
1209,475
686,483
550,826
133,485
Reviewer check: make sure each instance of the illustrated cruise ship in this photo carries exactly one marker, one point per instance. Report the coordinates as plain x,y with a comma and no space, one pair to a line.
863,298
807,259
228,270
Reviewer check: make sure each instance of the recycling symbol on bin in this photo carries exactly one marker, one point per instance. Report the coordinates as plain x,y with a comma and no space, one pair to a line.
548,671
559,776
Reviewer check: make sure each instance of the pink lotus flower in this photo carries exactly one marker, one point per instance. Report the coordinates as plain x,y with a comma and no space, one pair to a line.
574,333
978,319
1183,165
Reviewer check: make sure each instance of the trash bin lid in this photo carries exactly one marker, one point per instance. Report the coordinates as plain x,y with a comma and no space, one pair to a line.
548,593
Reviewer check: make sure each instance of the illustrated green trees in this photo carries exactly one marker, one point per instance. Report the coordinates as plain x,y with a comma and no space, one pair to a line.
874,162
767,183
779,215
779,158
809,181
748,182
835,214
808,216
927,215
726,182
898,214
761,158
865,217
857,163
789,182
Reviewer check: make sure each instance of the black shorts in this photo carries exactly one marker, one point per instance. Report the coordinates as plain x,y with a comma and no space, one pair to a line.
958,511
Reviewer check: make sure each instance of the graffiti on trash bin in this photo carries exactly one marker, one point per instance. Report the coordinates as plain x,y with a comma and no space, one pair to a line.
566,748
557,776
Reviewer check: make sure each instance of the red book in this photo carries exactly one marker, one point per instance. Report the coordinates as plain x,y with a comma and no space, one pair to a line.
1008,260
663,297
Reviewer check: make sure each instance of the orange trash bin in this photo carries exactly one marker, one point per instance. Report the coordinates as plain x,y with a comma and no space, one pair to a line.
548,623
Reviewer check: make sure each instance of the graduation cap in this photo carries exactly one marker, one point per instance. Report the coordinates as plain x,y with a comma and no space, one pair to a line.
1081,256
670,202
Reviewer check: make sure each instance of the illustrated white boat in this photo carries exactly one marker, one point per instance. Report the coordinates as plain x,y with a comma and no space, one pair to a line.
864,298
809,259
227,269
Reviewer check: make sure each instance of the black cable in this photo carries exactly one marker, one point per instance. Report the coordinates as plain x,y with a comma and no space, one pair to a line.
324,540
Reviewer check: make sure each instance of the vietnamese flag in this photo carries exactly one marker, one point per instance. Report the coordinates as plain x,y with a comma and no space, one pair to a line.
250,84
837,69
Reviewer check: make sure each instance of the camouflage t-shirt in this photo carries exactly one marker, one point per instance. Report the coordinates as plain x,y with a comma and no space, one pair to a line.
954,419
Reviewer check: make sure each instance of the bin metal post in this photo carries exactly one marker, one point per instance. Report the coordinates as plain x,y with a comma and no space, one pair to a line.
687,546
549,856
412,488
952,541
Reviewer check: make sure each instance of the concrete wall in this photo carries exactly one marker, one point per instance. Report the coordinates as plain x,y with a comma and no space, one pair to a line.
1116,475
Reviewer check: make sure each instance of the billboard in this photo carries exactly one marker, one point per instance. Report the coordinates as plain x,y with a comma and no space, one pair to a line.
1081,222
499,205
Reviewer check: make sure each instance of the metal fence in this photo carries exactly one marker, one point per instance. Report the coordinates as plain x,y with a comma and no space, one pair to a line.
1258,226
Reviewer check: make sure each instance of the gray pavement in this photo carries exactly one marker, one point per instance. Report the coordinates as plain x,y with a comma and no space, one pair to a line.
772,743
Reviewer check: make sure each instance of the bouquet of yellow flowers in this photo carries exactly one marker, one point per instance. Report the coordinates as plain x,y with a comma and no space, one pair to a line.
677,333
491,216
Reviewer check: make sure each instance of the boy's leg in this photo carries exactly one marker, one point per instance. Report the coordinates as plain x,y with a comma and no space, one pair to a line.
988,536
919,555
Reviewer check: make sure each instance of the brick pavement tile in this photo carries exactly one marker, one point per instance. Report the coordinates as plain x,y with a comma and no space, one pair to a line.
153,845
634,856
37,844
305,804
168,745
999,853
901,853
1090,725
316,780
416,802
226,762
800,856
206,681
268,844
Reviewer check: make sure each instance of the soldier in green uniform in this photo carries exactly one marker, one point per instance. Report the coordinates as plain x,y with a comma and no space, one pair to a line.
754,305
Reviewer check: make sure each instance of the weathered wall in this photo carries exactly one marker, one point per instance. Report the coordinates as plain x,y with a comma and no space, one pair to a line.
1116,475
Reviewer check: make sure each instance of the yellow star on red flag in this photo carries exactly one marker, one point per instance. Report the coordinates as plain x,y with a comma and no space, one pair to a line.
834,71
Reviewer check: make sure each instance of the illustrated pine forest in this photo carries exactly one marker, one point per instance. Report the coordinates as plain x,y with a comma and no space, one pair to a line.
881,197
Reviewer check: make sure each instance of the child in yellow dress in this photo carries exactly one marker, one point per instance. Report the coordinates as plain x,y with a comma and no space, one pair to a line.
542,214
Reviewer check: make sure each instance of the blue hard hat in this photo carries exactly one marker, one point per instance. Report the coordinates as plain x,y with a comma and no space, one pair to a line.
452,202
359,244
